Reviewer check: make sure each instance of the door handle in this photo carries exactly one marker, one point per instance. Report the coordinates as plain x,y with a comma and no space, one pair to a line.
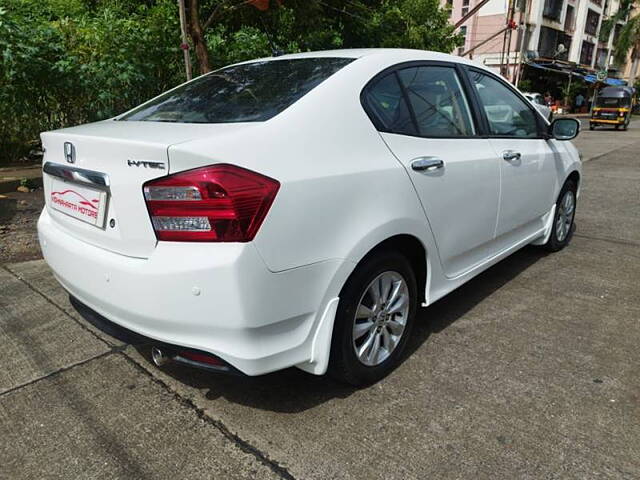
427,164
509,155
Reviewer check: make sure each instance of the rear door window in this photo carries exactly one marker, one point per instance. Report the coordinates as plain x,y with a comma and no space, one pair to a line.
251,92
438,102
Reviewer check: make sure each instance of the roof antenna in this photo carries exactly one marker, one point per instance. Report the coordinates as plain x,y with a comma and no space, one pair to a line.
275,51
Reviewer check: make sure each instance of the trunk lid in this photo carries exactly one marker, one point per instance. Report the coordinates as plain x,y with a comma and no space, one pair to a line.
127,154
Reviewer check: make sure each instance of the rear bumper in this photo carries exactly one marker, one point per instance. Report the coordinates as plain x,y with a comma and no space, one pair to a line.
219,298
618,120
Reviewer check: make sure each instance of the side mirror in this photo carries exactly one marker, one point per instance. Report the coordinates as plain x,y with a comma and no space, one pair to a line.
564,128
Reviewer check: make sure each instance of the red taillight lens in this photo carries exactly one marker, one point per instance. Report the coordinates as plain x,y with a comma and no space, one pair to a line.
221,203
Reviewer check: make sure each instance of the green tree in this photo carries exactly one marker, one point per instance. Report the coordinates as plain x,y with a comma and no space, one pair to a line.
65,62
629,42
235,30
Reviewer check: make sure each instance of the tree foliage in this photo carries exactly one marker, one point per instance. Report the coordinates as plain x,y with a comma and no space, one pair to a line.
628,40
65,62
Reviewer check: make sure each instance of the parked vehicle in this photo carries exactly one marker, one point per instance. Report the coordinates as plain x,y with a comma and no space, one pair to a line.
538,101
613,108
297,211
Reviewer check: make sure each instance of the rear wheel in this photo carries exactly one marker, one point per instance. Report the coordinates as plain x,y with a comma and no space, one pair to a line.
374,319
591,126
562,229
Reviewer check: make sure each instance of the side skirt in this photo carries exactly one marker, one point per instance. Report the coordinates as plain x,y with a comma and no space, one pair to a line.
447,285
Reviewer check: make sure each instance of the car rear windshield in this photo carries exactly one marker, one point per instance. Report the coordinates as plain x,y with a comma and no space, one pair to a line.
251,92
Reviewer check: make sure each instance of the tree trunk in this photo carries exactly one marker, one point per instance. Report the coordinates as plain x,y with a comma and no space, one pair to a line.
197,36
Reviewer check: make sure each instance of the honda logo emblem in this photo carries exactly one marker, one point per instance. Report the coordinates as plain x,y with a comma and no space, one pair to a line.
69,152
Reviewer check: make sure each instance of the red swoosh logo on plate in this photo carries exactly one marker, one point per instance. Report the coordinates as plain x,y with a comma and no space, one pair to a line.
83,200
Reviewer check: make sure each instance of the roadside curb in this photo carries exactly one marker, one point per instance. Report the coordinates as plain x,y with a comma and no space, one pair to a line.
10,180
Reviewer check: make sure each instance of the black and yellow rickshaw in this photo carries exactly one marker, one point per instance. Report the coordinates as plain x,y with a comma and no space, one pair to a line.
613,107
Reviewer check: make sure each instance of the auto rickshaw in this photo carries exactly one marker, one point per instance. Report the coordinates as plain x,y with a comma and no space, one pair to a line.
613,107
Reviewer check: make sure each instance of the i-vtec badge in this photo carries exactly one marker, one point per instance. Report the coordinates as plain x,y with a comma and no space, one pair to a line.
145,164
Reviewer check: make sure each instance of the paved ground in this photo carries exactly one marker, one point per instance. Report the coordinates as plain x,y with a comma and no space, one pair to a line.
528,371
19,213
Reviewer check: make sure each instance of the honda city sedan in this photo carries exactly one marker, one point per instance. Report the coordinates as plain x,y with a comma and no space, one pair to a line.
299,210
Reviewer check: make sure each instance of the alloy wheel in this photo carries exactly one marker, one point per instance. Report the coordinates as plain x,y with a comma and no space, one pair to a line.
564,219
380,318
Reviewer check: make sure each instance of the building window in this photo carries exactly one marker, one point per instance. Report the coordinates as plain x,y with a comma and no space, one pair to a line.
450,7
465,10
586,53
465,7
591,26
553,9
570,19
463,33
601,58
550,41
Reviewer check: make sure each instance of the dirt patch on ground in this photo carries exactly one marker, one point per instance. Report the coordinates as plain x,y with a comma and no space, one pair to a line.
18,217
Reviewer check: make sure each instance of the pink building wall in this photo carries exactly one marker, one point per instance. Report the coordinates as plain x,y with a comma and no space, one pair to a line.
482,26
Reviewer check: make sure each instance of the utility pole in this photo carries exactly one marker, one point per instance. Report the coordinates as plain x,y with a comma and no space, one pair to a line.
506,41
524,17
185,43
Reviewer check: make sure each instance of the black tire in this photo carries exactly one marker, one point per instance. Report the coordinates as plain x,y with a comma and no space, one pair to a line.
554,244
617,127
591,126
344,364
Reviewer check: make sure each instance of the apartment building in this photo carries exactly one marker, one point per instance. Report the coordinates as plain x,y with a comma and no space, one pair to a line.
564,31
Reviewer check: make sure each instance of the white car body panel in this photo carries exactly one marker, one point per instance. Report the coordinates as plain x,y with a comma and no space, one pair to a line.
527,183
344,188
451,189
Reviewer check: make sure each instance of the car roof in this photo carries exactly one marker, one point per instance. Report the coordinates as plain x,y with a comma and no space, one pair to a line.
392,55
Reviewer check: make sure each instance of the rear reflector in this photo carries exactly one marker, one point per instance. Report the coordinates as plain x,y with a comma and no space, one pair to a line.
201,358
220,203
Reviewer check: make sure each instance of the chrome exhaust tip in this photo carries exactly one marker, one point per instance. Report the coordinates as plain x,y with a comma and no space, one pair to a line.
159,357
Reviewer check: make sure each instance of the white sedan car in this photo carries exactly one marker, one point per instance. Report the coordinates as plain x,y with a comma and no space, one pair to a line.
538,101
299,210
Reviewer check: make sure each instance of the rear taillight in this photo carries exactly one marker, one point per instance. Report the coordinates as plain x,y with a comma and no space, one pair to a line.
221,203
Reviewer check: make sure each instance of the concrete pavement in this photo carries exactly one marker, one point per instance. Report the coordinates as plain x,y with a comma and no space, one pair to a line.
528,371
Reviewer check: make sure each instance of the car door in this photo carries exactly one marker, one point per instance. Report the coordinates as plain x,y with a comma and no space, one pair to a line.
527,159
426,119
